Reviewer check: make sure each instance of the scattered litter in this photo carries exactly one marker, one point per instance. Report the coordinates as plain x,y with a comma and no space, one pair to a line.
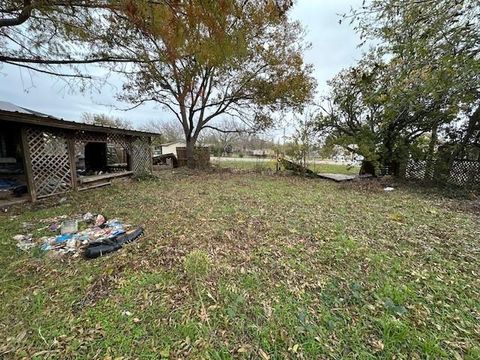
106,246
88,234
388,188
63,238
24,242
55,220
19,238
71,244
100,220
27,225
46,247
88,217
69,227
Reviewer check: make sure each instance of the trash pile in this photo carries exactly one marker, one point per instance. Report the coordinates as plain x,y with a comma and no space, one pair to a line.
92,235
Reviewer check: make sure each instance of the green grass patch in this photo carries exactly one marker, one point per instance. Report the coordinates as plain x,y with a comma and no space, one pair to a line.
269,165
236,265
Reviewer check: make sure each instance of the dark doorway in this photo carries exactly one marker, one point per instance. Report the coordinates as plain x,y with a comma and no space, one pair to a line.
13,182
95,157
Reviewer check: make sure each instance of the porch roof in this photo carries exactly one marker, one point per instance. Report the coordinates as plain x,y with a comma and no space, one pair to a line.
13,113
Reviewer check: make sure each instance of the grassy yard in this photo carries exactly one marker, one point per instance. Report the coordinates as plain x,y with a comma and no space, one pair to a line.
257,266
262,165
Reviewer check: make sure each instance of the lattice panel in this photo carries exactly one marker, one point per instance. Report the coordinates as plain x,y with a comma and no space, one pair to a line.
85,136
50,162
119,139
141,157
416,169
465,173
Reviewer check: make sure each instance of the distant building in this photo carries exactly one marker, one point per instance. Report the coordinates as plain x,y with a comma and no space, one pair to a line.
341,154
263,153
170,147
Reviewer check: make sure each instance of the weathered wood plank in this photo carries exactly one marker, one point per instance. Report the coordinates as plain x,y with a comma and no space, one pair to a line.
95,186
94,178
73,163
336,177
28,165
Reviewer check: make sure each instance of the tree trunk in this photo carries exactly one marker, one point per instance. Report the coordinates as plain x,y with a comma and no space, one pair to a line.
368,168
190,144
473,124
431,153
386,161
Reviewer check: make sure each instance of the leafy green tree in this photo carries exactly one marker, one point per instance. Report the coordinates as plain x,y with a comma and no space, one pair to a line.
439,41
422,76
377,112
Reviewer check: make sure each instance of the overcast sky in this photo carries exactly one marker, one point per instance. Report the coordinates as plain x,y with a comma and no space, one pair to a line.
334,47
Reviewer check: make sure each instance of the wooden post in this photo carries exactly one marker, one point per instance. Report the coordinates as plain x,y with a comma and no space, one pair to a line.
73,163
150,147
277,162
27,163
129,149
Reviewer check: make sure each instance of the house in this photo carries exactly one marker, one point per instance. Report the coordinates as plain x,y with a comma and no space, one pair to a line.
41,155
170,147
263,153
342,155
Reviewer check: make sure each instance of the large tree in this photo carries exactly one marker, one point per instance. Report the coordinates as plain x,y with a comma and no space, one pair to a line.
208,60
436,38
423,76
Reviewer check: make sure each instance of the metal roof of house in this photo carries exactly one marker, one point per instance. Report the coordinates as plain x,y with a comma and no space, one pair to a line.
15,113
